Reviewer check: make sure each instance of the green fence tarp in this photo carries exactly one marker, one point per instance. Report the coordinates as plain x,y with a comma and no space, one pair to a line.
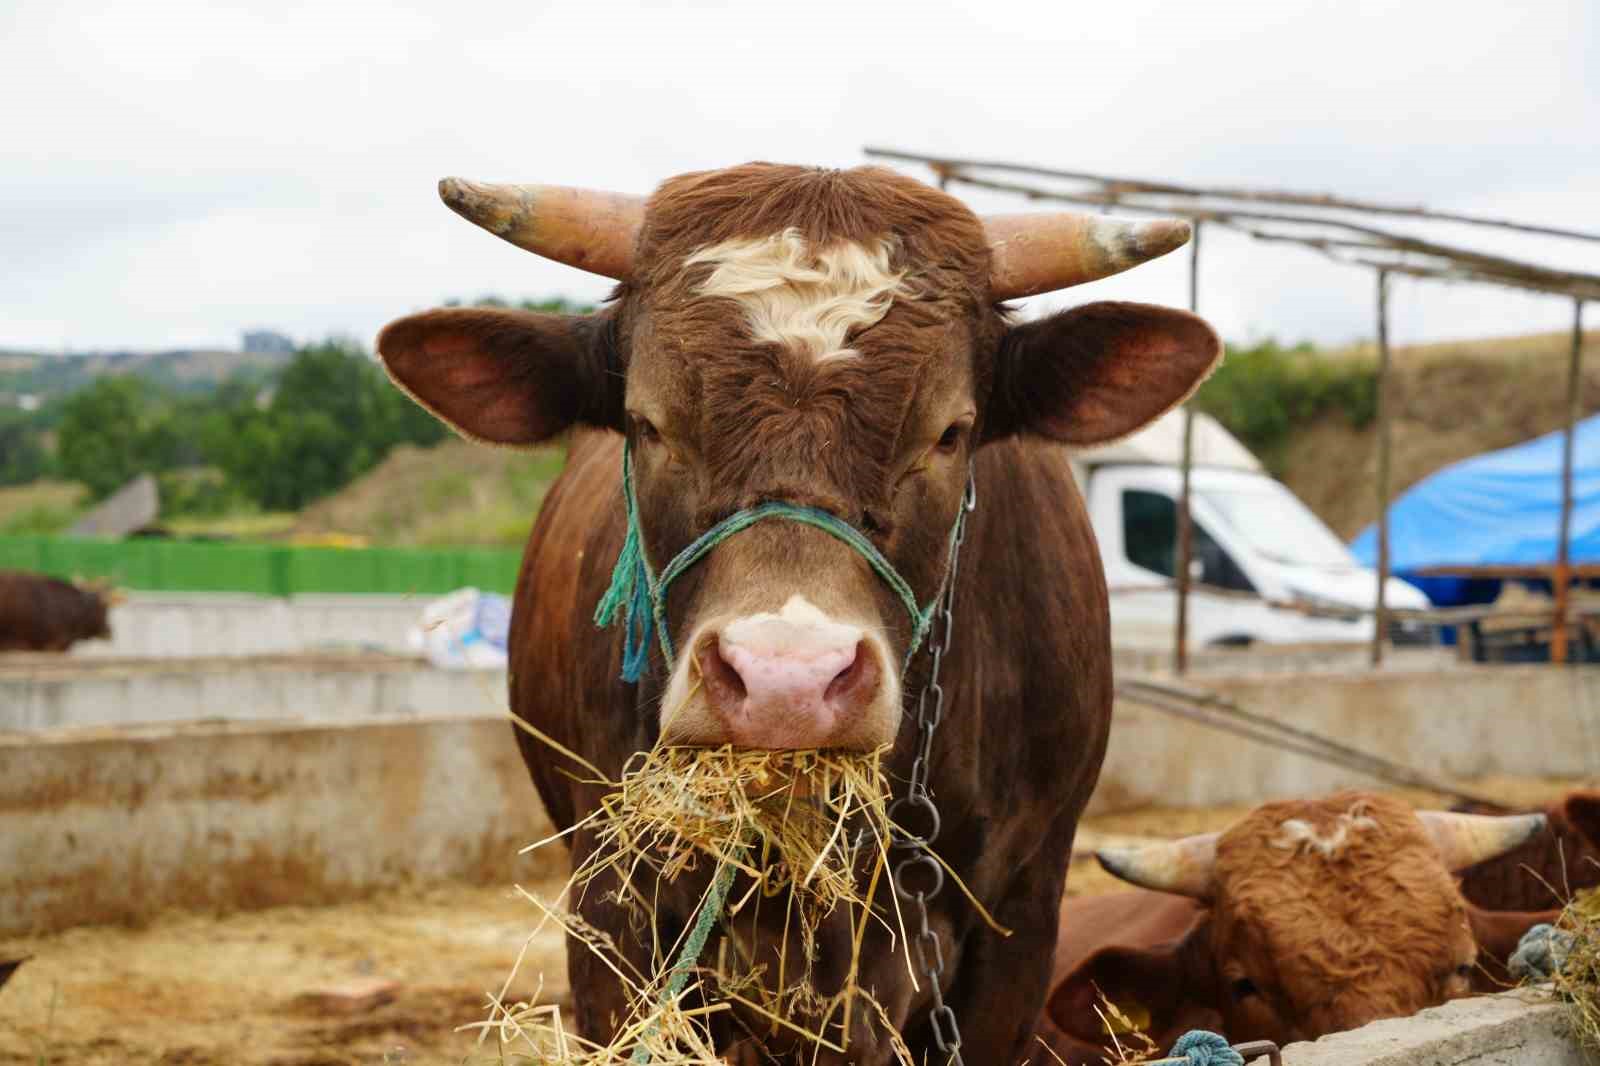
263,569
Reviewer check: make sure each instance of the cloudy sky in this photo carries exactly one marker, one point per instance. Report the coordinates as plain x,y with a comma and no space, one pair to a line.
173,172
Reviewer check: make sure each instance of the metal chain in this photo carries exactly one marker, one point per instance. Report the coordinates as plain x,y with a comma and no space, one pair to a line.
918,801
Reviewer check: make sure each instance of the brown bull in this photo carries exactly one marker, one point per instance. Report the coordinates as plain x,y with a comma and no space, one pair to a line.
831,339
39,613
1305,918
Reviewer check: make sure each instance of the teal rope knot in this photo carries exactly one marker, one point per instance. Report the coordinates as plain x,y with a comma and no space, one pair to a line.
694,945
1540,953
1205,1048
641,596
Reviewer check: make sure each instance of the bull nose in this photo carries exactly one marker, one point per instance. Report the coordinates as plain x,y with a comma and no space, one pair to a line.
780,684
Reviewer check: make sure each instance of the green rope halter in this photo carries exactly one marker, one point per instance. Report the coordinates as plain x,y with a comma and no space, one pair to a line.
642,596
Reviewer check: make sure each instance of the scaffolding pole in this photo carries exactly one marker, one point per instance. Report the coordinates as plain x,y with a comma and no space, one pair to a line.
1380,619
1563,575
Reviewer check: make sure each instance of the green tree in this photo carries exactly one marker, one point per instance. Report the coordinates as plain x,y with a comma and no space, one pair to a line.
23,457
109,433
1265,392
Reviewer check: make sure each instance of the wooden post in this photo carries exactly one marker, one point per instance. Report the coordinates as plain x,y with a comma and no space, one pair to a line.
1180,657
1381,616
1563,576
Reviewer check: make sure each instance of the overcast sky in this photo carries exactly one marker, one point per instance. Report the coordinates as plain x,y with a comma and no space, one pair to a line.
172,172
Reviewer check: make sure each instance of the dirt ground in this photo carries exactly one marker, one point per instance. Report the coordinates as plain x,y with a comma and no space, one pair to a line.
264,988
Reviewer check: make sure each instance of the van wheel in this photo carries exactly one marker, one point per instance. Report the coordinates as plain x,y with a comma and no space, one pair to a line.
1234,640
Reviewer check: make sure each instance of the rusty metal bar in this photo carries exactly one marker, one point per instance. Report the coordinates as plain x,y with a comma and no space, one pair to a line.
1491,269
1118,186
1380,620
1563,573
1180,657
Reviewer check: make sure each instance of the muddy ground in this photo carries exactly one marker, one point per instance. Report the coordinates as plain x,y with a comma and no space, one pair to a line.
387,980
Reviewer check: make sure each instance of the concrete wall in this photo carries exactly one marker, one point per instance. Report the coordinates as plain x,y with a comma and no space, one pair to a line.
1281,659
1462,723
113,825
1520,1028
226,623
52,692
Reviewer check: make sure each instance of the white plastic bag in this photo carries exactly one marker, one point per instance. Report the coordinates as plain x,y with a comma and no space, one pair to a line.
464,629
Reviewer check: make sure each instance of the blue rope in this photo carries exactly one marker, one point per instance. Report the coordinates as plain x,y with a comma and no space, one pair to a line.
694,945
1202,1047
642,597
1540,953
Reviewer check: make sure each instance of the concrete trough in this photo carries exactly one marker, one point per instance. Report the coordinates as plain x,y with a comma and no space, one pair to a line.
55,692
1462,723
118,824
1519,1028
197,624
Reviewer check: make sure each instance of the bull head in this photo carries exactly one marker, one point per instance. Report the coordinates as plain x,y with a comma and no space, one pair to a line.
596,231
830,340
1187,867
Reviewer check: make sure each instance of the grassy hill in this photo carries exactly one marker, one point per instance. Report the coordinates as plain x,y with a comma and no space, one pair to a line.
1452,401
454,493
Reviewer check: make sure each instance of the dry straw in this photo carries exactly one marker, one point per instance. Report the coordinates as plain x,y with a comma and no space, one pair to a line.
1577,976
796,827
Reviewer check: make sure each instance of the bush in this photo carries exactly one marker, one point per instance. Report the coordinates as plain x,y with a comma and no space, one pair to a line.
1263,394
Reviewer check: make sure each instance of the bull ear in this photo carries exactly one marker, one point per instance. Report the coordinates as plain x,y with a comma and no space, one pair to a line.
1098,372
1152,987
1581,810
506,377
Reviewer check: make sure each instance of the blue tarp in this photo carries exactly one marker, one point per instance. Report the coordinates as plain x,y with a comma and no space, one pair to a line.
1493,509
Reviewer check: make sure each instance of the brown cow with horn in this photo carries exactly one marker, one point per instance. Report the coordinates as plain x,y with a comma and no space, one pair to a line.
1307,917
835,340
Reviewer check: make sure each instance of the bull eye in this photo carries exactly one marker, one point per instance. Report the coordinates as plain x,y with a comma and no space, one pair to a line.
1466,969
950,438
1243,989
646,429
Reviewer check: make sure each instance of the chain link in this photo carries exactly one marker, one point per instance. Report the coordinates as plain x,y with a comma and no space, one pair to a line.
919,801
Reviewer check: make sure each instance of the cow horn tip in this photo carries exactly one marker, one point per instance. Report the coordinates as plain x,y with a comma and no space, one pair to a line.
454,192
1149,240
1116,861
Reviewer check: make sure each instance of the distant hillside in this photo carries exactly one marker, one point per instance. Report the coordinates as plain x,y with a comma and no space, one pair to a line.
184,368
1452,400
454,493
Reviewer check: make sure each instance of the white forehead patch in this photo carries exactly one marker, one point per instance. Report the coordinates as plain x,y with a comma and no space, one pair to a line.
808,299
1295,833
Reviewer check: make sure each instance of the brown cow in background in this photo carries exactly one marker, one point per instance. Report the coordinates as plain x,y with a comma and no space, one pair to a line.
1550,868
1307,917
39,613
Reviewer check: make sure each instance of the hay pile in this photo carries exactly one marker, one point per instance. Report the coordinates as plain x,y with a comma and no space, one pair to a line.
1576,976
792,827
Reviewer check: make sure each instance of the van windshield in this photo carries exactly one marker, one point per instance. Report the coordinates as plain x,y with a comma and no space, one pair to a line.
1276,524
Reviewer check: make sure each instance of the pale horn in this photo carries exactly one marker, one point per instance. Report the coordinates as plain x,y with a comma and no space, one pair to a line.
1186,867
1037,253
1464,840
590,230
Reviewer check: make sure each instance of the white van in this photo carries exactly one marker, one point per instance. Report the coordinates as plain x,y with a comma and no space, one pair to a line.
1250,535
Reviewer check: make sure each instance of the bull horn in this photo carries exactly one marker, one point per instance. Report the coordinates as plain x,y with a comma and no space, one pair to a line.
1034,253
1464,840
1185,867
590,230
